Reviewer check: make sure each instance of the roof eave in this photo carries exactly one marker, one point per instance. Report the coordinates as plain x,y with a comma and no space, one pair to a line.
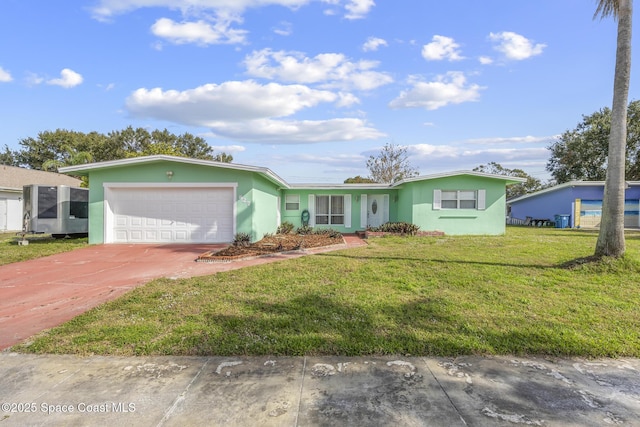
83,170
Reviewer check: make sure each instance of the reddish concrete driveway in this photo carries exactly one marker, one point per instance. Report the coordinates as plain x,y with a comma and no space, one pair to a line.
43,293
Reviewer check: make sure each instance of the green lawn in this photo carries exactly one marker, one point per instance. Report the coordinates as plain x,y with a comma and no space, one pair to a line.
39,245
441,296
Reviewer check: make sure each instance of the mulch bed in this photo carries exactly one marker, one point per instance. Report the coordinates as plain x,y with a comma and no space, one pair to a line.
270,245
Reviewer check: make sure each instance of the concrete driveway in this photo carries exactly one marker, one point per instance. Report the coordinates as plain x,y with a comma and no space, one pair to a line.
46,292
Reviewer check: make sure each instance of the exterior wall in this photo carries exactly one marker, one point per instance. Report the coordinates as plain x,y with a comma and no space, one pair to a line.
357,200
416,201
156,172
264,198
548,205
10,211
561,202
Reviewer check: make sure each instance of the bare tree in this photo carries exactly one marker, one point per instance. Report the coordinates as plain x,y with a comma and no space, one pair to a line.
391,165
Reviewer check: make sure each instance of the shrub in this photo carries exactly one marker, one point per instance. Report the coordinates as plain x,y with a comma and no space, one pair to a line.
285,228
397,227
242,239
305,229
328,232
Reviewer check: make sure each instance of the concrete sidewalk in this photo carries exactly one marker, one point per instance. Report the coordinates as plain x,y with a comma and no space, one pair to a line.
317,391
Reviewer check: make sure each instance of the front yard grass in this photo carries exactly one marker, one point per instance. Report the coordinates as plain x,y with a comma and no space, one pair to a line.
40,245
438,296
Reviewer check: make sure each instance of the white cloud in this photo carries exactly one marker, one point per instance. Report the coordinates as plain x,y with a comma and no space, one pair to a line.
68,78
450,88
347,99
447,157
249,111
509,153
233,100
33,79
512,140
515,46
5,76
357,9
284,29
441,48
106,10
329,69
373,44
296,131
433,151
228,148
200,32
485,60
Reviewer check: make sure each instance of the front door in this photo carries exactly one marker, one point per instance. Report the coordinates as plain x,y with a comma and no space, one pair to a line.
375,210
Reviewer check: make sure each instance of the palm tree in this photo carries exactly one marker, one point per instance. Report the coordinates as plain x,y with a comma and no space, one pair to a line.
611,238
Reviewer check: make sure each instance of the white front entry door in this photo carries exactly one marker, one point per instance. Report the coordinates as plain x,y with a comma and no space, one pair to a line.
377,209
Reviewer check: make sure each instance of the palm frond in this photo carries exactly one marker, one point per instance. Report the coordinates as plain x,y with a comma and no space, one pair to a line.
607,8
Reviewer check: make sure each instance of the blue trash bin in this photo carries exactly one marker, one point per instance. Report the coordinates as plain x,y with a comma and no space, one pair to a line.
562,221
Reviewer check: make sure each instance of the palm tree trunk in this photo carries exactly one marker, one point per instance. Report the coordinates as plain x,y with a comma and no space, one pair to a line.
611,238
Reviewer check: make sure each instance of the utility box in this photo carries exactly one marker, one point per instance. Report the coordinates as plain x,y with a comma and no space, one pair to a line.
57,210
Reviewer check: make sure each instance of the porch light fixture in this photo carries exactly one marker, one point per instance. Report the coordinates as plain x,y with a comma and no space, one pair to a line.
169,174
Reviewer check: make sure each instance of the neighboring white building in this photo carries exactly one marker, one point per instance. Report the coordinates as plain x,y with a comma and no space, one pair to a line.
12,179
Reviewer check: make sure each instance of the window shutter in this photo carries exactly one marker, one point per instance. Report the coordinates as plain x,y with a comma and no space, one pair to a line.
312,210
347,210
482,199
363,211
437,199
385,208
279,212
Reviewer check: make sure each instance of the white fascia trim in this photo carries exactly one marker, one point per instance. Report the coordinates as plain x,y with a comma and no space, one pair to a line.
339,187
169,184
146,159
512,179
560,187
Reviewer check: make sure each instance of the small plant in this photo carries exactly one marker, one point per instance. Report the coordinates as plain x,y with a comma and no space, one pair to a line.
242,239
285,228
329,232
305,229
397,228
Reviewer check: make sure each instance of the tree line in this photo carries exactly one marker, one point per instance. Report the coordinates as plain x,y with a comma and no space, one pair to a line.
51,150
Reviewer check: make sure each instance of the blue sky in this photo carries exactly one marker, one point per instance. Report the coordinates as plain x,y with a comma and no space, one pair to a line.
312,88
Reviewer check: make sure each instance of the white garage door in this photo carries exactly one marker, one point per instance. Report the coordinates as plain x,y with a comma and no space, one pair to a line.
170,215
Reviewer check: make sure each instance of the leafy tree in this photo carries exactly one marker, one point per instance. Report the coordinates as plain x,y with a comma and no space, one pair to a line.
223,157
532,184
581,153
8,157
69,158
53,149
358,180
611,240
48,146
391,165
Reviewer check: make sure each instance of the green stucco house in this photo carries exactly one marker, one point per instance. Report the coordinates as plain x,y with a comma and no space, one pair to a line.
167,199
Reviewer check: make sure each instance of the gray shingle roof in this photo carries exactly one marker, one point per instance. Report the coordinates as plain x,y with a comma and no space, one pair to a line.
15,178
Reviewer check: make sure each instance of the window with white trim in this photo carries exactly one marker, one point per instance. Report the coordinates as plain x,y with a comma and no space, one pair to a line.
330,210
292,202
458,199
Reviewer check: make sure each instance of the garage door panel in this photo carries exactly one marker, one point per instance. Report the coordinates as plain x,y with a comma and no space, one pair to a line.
185,215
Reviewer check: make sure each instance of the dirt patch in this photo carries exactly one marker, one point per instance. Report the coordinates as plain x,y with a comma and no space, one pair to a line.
271,245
